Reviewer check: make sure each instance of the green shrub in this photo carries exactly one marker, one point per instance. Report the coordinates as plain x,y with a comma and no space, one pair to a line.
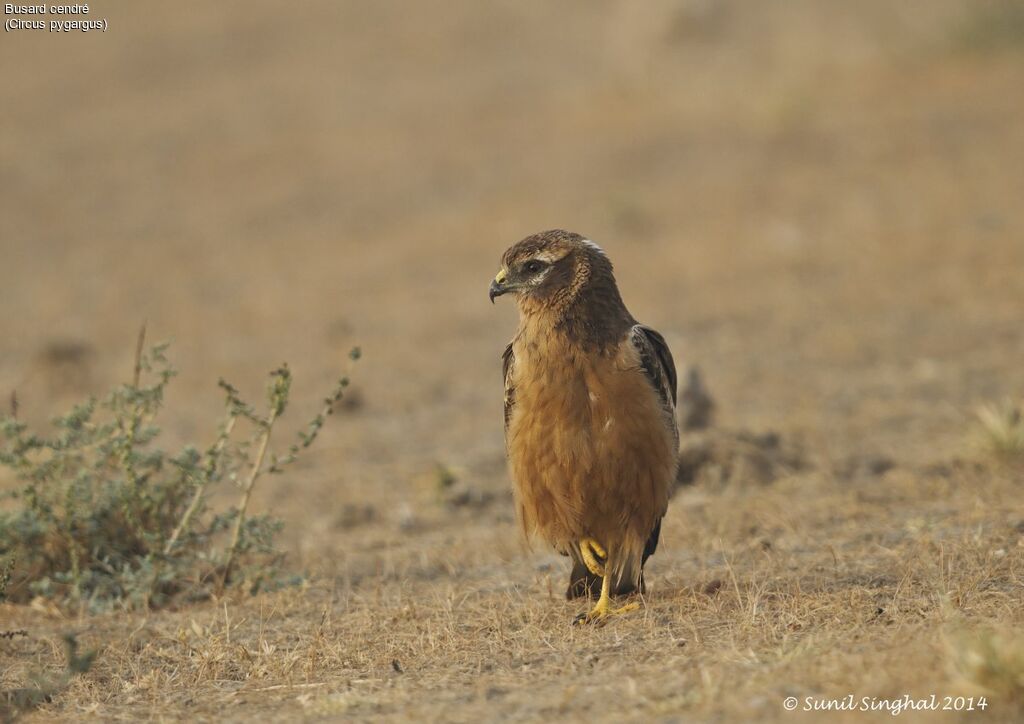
103,516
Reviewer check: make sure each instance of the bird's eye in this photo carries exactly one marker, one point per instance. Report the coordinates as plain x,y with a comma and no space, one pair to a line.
533,266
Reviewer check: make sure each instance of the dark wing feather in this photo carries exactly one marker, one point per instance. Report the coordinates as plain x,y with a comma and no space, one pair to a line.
652,543
657,363
507,360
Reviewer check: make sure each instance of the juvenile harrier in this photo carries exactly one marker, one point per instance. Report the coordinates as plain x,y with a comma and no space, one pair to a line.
589,415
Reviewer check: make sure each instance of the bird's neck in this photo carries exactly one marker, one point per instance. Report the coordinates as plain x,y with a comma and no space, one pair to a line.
595,319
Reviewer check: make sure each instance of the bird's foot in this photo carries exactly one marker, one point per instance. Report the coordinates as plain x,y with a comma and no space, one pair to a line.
601,611
594,556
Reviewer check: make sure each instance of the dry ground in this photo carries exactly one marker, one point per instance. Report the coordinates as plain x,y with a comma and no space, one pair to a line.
819,203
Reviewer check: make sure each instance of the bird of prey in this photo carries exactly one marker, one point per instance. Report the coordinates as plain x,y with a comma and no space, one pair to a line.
590,425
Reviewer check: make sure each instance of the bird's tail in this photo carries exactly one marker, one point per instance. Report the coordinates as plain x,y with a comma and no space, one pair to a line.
582,583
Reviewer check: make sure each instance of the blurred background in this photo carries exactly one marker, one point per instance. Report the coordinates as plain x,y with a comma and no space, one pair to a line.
818,203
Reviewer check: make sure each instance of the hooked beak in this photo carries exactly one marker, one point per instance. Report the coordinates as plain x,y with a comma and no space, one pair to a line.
498,287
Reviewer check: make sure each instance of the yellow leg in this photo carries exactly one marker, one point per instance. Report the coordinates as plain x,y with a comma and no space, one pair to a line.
603,608
594,556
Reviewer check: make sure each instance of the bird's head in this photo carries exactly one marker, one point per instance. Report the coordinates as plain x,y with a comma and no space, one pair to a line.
550,269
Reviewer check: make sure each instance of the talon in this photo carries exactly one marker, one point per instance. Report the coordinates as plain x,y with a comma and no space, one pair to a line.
594,556
599,614
603,608
584,619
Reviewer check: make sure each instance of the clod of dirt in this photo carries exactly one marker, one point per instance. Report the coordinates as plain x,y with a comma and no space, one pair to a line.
713,587
353,515
65,352
952,468
696,407
455,492
864,465
66,365
353,400
725,457
467,497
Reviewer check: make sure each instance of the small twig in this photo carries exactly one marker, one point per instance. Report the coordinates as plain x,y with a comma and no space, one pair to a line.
278,401
247,494
277,687
136,418
309,436
732,573
136,378
128,448
211,467
14,404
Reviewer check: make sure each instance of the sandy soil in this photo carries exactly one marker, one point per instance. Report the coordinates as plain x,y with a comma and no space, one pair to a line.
817,203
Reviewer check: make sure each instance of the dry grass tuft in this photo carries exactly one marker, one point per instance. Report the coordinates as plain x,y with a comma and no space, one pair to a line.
991,659
1001,430
43,688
